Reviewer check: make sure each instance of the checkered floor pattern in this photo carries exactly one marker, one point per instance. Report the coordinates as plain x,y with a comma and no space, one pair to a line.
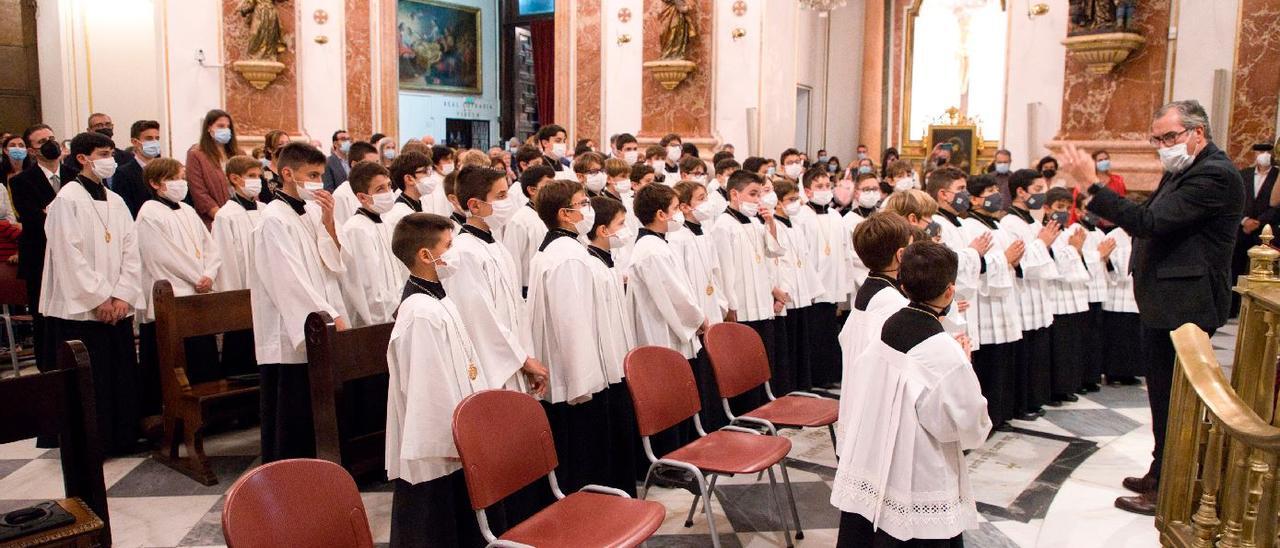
1016,478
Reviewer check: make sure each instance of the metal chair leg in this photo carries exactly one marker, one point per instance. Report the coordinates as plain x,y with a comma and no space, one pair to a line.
711,521
791,496
644,488
688,520
832,429
13,346
782,513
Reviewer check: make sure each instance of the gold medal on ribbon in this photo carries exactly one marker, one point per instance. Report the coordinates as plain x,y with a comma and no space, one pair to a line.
472,372
710,289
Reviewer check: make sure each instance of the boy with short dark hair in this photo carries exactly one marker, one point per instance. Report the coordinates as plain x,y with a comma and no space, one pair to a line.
373,280
1071,299
914,383
433,365
797,276
525,231
295,266
659,298
832,257
411,173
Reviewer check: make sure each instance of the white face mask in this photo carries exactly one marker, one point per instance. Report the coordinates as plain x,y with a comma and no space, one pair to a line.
623,186
750,209
705,211
673,153
449,268
252,187
558,150
382,202
631,156
769,199
308,190
597,181
904,184
446,169
621,238
658,166
104,167
701,179
713,185
792,208
588,219
1264,159
869,198
175,191
822,197
502,212
426,185
676,222
1175,158
793,171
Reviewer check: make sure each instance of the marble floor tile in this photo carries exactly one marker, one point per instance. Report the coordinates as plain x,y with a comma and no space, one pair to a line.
22,449
1009,462
751,507
233,443
8,466
154,479
727,540
677,502
377,506
1041,425
1120,397
988,535
41,479
1081,503
1021,534
156,521
208,531
1092,422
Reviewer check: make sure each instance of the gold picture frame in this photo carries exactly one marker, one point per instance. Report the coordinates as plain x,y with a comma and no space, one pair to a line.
439,47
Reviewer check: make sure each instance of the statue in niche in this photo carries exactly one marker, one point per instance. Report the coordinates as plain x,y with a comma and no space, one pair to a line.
1093,16
266,37
679,28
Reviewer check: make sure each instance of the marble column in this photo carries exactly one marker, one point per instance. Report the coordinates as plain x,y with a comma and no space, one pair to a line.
871,114
1256,83
1113,111
359,81
588,80
257,112
687,109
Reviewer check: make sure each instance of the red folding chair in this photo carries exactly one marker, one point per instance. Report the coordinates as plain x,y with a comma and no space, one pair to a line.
740,363
593,516
665,394
296,502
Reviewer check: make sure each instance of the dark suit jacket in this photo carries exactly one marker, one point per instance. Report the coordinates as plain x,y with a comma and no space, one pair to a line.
1182,241
335,172
1259,207
128,183
31,194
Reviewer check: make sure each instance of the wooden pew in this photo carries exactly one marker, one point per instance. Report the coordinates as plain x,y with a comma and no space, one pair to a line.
187,407
348,376
62,402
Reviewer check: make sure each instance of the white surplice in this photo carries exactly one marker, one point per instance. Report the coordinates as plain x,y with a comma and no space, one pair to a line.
916,410
83,267
1119,276
173,245
1038,271
796,270
295,271
832,251
428,358
861,329
521,236
661,301
372,282
999,313
488,300
345,204
1072,287
952,234
567,294
744,245
697,258
232,232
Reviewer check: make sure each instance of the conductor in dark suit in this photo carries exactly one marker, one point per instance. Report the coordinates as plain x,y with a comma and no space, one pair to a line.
1259,178
1183,236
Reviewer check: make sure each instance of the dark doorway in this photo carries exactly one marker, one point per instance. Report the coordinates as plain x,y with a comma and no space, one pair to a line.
20,79
519,70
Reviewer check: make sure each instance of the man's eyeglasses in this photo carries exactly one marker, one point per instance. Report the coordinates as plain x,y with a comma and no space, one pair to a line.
1168,139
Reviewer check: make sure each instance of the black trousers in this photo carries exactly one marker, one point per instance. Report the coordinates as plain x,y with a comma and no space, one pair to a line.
857,532
1068,357
1094,353
1158,356
288,431
44,362
114,361
824,345
437,513
751,399
1123,340
994,366
1034,359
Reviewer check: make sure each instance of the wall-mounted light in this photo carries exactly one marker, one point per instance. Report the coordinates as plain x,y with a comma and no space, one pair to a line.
1036,10
738,33
624,39
322,39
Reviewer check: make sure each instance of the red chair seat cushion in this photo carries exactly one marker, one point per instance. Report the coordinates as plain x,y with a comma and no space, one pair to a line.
590,519
729,452
798,411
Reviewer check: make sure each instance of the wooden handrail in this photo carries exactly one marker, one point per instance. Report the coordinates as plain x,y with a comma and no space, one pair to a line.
1195,353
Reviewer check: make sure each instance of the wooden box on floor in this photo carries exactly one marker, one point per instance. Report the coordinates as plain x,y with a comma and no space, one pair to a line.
61,402
189,407
348,376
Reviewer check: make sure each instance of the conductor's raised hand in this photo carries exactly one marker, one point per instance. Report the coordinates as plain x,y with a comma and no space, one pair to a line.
1079,165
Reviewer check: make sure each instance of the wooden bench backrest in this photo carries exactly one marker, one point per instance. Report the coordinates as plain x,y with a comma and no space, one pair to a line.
179,318
61,402
335,358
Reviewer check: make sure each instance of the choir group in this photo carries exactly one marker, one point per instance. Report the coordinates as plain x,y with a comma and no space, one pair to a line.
937,304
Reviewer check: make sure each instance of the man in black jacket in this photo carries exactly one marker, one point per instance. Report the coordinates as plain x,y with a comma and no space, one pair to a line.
128,181
1183,236
1259,178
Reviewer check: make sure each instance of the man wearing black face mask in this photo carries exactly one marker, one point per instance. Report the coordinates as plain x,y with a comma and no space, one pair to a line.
32,190
99,123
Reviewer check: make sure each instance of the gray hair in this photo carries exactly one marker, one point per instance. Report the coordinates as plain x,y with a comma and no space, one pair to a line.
1191,115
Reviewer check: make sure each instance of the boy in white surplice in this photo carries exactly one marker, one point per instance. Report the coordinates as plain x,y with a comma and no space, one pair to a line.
903,477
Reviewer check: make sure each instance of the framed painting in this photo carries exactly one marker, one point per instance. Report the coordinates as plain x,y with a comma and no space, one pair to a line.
962,140
439,47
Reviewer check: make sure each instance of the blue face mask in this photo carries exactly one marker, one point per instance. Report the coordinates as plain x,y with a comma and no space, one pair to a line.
1002,168
151,149
1104,165
1062,218
933,230
222,135
1035,201
863,170
993,203
344,145
960,202
17,153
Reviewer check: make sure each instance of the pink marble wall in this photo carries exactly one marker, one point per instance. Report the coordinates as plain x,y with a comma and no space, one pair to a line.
259,111
1256,85
359,70
687,109
1118,105
587,84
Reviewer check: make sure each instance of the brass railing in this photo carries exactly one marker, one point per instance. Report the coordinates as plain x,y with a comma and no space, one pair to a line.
1219,485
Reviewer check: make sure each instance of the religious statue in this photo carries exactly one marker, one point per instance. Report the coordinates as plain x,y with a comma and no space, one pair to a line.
679,28
1089,16
266,38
